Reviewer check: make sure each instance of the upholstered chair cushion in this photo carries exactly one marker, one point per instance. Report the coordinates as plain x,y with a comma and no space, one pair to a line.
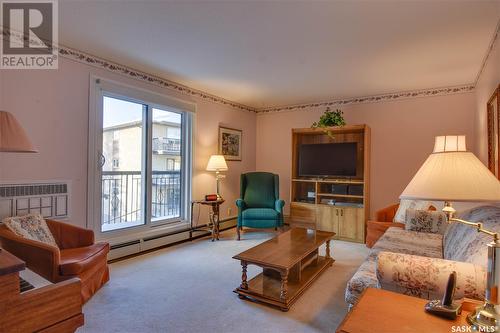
260,214
426,221
31,226
404,205
81,259
427,277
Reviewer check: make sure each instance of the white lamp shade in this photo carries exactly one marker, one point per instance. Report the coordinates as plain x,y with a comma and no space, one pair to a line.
217,163
13,138
451,173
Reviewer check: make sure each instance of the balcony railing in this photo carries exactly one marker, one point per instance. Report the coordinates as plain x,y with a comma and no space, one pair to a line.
163,145
123,195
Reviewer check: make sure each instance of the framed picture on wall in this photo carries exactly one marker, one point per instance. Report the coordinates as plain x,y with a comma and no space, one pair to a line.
230,143
493,119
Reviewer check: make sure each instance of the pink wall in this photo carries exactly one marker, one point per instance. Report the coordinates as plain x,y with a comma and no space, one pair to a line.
488,81
402,138
52,105
53,108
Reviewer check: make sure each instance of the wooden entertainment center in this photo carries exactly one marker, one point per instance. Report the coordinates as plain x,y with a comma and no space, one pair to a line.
336,204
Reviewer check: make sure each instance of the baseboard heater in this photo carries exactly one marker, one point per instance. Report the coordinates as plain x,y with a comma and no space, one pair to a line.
146,244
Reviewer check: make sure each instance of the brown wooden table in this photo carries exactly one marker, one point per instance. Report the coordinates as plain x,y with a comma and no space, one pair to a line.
214,220
290,263
384,311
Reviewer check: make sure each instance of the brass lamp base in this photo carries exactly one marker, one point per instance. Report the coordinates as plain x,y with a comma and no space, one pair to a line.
484,318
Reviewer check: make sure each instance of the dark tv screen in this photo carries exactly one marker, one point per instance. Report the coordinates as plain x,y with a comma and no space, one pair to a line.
328,159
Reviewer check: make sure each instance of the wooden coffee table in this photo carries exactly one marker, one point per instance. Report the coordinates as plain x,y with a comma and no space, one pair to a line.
290,263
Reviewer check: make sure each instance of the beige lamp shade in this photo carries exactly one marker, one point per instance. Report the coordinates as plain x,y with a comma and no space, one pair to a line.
217,163
13,138
451,173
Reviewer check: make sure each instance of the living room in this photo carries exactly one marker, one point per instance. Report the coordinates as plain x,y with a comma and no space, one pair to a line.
225,166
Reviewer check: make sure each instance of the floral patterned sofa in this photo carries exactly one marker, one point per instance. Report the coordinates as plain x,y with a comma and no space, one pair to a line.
419,264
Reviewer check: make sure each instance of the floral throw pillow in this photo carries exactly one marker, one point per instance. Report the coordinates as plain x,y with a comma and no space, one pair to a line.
31,226
405,204
426,221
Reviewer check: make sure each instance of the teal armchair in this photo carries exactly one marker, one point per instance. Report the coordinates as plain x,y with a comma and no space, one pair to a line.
259,205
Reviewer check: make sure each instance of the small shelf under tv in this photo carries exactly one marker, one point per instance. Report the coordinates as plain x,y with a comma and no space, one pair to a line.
339,204
340,195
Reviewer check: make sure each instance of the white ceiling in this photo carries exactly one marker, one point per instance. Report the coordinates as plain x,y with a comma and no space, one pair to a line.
265,54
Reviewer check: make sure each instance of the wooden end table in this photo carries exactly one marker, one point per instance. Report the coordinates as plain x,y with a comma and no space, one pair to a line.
384,311
213,225
290,263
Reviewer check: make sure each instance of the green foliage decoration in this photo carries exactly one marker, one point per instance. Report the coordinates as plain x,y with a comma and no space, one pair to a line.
328,119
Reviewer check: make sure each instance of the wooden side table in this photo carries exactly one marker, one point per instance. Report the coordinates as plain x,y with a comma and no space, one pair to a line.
384,311
213,225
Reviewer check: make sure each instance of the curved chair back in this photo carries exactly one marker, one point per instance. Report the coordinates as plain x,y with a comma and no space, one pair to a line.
259,189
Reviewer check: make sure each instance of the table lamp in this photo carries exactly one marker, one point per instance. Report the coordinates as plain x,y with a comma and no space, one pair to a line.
217,163
451,173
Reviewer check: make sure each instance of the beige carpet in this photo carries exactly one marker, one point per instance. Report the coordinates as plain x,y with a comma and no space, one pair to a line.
189,288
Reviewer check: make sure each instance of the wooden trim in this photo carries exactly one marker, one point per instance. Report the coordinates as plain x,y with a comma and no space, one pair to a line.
490,123
338,129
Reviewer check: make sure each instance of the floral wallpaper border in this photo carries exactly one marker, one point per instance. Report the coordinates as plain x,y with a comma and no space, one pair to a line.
375,98
111,66
98,62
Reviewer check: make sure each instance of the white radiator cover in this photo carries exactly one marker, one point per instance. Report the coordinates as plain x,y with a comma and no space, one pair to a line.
51,199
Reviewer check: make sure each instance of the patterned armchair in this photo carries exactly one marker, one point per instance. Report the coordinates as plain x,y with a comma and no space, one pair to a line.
259,205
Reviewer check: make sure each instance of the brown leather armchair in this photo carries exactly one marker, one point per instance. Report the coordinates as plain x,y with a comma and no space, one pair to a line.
77,255
375,229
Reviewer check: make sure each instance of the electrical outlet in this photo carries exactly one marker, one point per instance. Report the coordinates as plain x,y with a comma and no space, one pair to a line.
229,211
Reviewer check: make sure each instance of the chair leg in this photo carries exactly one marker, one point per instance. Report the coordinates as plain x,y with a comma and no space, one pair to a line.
238,228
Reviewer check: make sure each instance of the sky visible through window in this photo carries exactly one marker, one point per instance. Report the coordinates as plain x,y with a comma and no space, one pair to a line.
119,112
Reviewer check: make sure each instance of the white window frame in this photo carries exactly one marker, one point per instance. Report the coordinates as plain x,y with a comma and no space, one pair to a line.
100,87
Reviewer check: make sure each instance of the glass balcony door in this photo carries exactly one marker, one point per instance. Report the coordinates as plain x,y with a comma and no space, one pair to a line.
123,175
166,165
140,165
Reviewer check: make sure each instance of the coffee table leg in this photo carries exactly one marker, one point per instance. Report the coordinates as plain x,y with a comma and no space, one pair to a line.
244,284
328,249
284,285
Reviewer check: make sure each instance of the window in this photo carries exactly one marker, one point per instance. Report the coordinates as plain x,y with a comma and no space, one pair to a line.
143,158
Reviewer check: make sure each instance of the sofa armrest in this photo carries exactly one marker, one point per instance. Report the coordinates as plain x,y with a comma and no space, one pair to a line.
39,257
278,205
69,236
375,229
427,277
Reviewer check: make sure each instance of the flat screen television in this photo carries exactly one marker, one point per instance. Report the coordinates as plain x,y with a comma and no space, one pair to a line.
328,159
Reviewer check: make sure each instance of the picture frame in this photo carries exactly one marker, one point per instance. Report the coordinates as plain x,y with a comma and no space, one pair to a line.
230,143
493,122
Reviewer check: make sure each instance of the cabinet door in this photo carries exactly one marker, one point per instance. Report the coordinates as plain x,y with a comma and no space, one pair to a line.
327,218
351,223
303,212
